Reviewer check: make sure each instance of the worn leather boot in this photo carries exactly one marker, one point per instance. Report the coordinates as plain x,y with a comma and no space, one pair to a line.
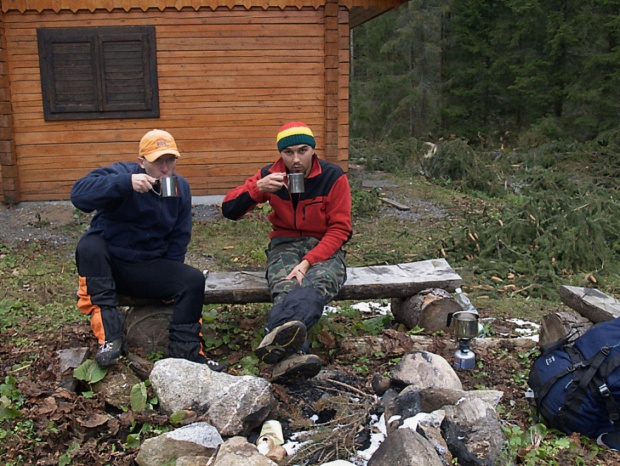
281,342
303,366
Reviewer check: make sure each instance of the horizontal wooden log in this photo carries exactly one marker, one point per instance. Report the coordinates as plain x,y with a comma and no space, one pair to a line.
392,344
370,282
590,303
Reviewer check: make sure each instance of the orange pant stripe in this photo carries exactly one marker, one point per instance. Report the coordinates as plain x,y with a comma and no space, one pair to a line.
86,307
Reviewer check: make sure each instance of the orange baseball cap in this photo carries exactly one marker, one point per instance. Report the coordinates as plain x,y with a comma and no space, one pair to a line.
156,143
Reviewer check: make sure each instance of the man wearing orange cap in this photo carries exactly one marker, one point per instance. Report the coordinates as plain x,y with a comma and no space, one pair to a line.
136,246
305,263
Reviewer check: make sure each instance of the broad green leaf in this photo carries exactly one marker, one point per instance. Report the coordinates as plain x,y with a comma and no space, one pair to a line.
138,397
90,372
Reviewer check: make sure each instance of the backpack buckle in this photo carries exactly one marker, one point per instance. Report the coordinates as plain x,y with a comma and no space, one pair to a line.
605,350
575,366
604,390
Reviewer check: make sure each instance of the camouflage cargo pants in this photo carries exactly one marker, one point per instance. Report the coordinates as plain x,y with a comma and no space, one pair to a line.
327,277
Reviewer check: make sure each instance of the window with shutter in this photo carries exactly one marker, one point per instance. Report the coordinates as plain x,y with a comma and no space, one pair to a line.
100,72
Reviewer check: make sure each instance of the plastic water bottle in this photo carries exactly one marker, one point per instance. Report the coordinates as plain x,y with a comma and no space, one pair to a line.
464,302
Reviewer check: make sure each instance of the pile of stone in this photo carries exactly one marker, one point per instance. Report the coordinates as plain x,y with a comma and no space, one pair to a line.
429,421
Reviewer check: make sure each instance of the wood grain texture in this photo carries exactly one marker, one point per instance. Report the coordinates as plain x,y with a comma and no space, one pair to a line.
228,79
373,282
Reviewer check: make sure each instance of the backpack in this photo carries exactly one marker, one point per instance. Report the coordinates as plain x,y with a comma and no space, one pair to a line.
576,386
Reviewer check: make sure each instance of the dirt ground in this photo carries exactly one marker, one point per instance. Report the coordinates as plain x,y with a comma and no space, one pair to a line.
56,417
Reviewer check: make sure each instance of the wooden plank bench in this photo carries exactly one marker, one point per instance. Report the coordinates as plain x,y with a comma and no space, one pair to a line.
148,317
370,282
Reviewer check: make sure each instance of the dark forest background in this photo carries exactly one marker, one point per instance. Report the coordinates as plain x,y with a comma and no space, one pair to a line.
491,71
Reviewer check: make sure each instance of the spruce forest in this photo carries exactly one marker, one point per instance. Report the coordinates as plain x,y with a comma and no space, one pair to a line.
518,102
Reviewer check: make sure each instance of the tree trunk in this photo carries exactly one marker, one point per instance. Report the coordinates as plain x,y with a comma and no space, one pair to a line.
428,309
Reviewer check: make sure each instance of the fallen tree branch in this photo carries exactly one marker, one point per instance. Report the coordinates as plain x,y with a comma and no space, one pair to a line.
342,384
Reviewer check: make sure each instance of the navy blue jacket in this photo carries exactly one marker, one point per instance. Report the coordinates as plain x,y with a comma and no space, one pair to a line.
136,226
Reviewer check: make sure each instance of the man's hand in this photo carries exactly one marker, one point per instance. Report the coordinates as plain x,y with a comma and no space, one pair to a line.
142,183
271,183
299,272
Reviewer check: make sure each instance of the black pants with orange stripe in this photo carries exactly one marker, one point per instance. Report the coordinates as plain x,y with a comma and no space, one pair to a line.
102,276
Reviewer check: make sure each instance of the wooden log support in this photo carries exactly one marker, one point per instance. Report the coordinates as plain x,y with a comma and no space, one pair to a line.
428,309
590,303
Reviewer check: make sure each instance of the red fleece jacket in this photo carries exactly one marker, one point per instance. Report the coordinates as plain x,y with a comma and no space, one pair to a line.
322,211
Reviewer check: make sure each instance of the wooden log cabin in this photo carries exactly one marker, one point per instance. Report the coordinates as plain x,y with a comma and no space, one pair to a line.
82,80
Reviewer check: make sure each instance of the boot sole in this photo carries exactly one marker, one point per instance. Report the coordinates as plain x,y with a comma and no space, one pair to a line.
305,370
285,342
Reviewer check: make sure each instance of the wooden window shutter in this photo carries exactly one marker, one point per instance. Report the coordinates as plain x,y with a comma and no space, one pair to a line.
104,72
126,70
69,65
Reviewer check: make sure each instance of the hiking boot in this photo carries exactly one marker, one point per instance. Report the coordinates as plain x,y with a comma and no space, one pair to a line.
110,351
304,366
215,366
281,342
610,440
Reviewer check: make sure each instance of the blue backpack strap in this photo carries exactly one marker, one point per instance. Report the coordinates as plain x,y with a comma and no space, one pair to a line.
577,393
577,364
600,384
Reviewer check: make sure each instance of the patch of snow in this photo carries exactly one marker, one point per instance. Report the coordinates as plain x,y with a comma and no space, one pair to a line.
364,307
530,331
372,308
293,446
412,422
376,439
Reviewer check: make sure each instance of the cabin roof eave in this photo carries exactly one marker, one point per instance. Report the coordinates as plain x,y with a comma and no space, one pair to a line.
365,8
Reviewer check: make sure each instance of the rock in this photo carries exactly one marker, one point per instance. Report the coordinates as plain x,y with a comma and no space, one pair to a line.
473,433
116,386
192,461
429,427
404,448
237,451
425,370
235,405
380,384
198,439
69,359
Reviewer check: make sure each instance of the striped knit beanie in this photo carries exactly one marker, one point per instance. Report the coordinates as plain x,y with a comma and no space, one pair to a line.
294,133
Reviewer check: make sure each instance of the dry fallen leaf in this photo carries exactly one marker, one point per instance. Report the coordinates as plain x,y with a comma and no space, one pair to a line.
93,420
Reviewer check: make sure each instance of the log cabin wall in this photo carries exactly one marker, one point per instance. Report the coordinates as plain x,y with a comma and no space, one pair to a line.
228,79
9,178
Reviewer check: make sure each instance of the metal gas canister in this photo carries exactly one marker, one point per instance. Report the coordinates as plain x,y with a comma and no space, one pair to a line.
464,359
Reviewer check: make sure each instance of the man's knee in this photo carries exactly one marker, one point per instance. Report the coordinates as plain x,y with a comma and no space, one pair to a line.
194,280
91,256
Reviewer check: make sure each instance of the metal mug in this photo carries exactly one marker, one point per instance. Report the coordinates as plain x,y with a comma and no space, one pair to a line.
296,183
168,187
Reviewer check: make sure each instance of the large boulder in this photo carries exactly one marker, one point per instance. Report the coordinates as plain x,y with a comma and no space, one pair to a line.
425,370
235,405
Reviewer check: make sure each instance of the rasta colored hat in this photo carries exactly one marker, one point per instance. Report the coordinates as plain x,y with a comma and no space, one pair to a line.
294,133
156,143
